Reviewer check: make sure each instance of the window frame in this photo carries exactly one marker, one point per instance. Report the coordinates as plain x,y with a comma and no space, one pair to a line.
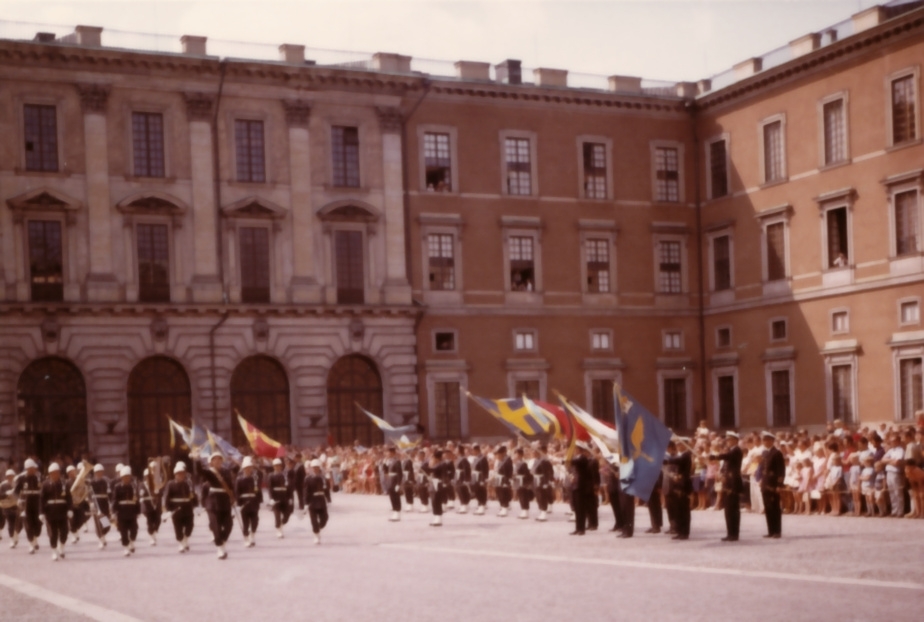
723,372
516,226
607,332
916,300
832,328
455,340
434,377
788,365
844,97
453,132
675,374
233,116
607,143
653,146
784,176
901,351
172,281
767,218
712,236
360,163
914,183
62,220
671,331
239,255
441,224
532,137
731,337
843,359
534,335
148,110
771,322
915,73
680,238
710,191
60,133
825,210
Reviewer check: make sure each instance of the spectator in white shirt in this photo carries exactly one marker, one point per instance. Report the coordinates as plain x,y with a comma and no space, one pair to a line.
894,467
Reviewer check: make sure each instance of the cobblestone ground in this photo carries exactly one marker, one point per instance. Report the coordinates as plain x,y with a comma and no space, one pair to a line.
483,568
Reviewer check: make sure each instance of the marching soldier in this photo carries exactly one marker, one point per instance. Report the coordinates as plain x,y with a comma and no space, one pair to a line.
774,471
28,488
449,476
407,477
249,497
423,481
543,478
150,503
80,512
732,486
127,507
316,499
392,480
180,499
9,509
218,500
436,470
480,471
56,503
463,480
99,504
524,480
504,480
281,494
680,487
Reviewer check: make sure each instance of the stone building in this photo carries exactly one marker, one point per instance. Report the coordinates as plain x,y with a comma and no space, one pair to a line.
187,234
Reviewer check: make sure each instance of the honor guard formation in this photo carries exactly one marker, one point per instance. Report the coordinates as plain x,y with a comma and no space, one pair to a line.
870,472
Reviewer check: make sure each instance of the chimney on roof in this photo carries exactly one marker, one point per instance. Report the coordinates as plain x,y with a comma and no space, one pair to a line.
805,44
703,86
509,72
291,53
686,89
864,20
44,37
625,84
550,77
748,68
89,36
472,70
193,45
393,63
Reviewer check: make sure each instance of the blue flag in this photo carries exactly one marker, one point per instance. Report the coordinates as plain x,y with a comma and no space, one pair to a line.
642,445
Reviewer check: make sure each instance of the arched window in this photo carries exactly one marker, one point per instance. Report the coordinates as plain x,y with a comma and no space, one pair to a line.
260,392
52,402
157,387
353,379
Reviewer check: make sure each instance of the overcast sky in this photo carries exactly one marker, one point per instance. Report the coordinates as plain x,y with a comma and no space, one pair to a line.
679,40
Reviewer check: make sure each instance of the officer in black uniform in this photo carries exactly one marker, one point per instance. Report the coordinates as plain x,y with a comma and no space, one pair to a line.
611,481
249,497
316,499
297,483
655,513
180,499
393,478
583,493
449,476
281,495
593,509
56,503
731,485
543,478
407,477
437,472
463,469
10,514
524,480
774,471
217,491
504,469
99,504
681,485
127,506
29,489
480,472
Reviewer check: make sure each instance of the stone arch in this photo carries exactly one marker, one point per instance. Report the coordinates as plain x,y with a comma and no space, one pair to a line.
158,386
52,409
260,392
354,379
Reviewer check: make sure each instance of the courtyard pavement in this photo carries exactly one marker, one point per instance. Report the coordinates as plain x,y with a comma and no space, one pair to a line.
482,568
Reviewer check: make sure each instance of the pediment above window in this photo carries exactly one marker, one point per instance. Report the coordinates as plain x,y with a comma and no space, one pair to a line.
348,211
43,200
254,207
152,203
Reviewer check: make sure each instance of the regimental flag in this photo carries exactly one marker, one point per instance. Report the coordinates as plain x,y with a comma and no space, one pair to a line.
185,435
642,445
219,445
386,427
591,426
515,415
261,444
558,418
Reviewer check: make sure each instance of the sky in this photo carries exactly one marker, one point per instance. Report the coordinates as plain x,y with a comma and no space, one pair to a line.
677,40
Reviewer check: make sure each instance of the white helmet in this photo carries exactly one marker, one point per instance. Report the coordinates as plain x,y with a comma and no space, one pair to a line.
54,466
216,455
246,462
277,461
69,468
98,468
179,468
10,473
315,463
146,473
125,471
31,464
152,465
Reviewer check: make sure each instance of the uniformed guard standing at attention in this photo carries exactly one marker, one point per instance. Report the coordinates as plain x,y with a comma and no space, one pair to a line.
316,498
611,481
29,489
731,485
9,508
543,478
180,499
407,477
680,488
281,494
463,469
392,473
480,471
582,486
524,480
297,482
127,507
655,512
436,470
99,504
774,471
218,497
449,476
504,476
56,503
249,497
626,511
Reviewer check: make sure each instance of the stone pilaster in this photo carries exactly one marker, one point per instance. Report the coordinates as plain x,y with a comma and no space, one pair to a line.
205,284
102,284
397,289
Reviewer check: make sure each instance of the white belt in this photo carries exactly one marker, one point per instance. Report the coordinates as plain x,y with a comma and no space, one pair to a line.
247,494
54,502
213,491
128,503
101,496
181,500
281,489
317,494
31,492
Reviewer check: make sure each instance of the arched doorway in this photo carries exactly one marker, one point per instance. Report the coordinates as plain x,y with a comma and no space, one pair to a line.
157,387
52,400
260,392
353,379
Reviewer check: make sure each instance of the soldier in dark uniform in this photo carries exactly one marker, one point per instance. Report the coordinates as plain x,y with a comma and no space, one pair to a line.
150,503
281,495
79,511
316,499
774,471
449,476
10,514
582,486
217,491
56,503
463,480
127,507
524,481
407,477
423,482
29,488
680,487
655,513
180,499
436,470
732,485
593,509
249,497
626,512
393,478
480,472
611,481
297,481
543,478
504,469
99,504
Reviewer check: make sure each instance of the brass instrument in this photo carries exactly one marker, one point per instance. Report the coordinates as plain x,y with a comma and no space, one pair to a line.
9,500
157,475
80,489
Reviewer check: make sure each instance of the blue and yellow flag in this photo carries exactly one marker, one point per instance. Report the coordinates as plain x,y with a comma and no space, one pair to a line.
642,445
517,417
219,445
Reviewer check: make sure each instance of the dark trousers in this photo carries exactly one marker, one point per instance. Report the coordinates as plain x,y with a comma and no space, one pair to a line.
153,520
627,512
57,529
682,513
582,502
250,520
33,525
593,511
128,529
13,522
182,525
78,517
423,491
524,495
543,498
318,516
301,500
613,494
409,494
281,512
481,493
394,495
670,501
732,513
465,495
437,501
773,512
655,513
220,523
449,493
504,496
